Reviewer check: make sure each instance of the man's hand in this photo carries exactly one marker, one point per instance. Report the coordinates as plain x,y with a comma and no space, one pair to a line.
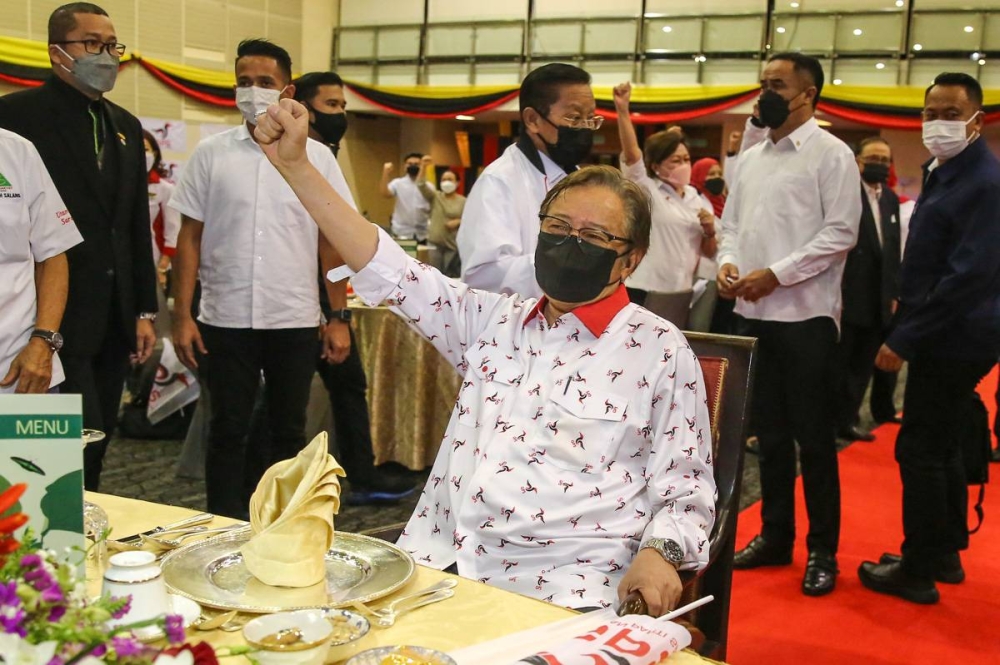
282,132
888,360
336,337
756,285
623,96
727,277
655,579
388,168
735,141
187,338
31,368
145,340
161,270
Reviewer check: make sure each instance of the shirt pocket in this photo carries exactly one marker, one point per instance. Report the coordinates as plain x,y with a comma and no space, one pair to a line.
584,428
489,397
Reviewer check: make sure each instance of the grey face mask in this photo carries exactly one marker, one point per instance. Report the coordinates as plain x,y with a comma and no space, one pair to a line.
96,73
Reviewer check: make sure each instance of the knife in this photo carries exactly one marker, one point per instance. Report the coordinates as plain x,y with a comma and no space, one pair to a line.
200,518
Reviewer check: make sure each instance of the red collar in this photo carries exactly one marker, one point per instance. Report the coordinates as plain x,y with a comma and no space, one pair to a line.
154,177
596,316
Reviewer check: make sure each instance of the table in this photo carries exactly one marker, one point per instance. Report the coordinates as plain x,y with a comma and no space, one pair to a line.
411,388
476,614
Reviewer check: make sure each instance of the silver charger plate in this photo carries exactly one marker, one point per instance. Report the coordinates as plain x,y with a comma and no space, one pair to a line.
212,572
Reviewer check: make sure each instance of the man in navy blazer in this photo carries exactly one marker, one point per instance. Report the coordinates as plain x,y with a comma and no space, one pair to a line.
94,151
870,286
948,329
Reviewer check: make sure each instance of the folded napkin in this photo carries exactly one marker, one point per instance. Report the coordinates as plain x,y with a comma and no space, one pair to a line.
291,515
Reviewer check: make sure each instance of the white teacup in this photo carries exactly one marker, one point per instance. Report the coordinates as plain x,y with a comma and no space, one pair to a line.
136,574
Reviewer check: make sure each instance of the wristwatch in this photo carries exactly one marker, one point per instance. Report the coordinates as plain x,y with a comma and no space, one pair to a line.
340,315
668,549
148,316
51,337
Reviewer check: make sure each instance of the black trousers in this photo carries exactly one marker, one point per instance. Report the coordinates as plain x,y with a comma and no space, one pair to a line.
99,379
347,386
883,396
935,496
792,403
232,369
856,353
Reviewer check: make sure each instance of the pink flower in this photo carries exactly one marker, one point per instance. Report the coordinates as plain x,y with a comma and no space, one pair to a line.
174,627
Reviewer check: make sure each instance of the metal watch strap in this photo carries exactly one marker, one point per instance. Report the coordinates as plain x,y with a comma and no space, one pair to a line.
148,316
670,550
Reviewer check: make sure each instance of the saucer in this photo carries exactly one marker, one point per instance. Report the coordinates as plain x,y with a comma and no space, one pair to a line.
187,608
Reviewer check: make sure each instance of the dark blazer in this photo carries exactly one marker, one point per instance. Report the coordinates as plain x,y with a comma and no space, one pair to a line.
871,274
950,278
114,264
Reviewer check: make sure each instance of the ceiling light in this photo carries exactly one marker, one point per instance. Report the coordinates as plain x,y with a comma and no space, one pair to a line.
667,28
975,55
794,5
968,28
918,47
781,30
465,117
837,81
857,32
879,65
982,61
824,123
900,3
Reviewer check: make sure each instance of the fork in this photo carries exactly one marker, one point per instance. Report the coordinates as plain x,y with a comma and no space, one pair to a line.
389,613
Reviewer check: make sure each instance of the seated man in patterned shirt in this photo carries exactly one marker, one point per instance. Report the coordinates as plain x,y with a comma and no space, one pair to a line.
576,466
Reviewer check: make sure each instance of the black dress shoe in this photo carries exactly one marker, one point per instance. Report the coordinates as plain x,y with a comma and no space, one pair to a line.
891,419
891,579
995,455
855,433
950,571
821,574
761,553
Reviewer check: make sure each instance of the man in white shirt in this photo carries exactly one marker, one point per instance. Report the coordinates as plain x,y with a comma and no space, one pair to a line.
576,466
36,229
791,217
499,230
413,209
254,248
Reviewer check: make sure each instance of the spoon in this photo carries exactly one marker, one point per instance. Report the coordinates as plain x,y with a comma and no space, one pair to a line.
176,542
283,638
218,621
389,619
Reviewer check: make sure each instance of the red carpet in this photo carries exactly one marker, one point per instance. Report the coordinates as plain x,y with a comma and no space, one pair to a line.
773,623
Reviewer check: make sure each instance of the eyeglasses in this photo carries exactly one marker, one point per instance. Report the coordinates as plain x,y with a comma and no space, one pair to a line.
592,123
590,239
96,46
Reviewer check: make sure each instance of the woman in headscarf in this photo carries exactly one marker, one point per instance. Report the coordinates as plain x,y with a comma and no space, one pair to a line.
706,176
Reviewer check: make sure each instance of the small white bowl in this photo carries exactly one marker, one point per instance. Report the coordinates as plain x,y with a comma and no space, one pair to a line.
349,628
377,655
312,650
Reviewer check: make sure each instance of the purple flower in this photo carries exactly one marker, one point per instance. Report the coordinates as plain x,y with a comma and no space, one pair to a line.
174,627
40,579
121,612
56,660
57,613
99,650
31,561
12,620
53,594
8,595
125,646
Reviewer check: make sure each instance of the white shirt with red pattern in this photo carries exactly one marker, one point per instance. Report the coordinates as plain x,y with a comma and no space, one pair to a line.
568,445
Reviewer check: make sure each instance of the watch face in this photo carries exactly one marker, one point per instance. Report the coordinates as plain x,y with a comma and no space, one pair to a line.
57,341
674,552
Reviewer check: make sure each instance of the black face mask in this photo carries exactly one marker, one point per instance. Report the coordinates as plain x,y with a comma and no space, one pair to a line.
573,271
571,146
330,126
412,170
875,174
714,186
773,109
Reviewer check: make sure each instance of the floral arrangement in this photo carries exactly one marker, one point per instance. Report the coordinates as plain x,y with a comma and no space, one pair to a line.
47,618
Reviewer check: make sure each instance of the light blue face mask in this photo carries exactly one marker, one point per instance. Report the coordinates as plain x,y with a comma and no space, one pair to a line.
96,73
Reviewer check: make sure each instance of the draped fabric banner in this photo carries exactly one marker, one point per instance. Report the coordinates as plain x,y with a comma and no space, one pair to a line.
26,63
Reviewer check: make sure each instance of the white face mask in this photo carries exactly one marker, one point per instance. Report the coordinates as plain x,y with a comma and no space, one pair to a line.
448,186
946,138
251,100
150,158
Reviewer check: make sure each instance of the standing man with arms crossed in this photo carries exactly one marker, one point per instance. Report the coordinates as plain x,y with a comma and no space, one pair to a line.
255,250
499,230
948,329
791,217
871,286
93,150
